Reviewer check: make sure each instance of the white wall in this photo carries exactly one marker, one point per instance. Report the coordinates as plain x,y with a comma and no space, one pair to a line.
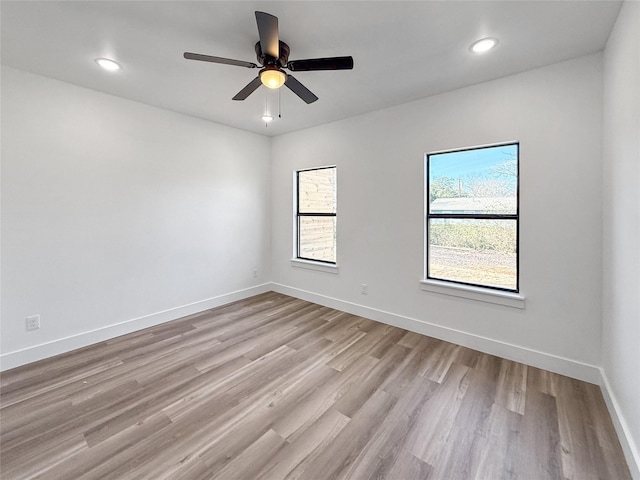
114,211
621,226
117,215
556,114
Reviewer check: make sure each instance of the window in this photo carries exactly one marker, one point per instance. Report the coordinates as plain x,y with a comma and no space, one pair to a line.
472,216
316,214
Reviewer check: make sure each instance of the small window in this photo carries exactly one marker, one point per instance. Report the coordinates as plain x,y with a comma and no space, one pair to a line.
316,214
472,216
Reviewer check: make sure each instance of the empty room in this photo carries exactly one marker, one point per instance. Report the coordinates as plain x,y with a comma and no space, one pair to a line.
386,240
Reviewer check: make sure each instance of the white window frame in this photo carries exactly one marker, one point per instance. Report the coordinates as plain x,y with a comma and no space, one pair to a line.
296,260
496,295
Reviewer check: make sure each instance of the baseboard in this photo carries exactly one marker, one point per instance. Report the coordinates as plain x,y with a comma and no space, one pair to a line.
546,361
63,345
629,447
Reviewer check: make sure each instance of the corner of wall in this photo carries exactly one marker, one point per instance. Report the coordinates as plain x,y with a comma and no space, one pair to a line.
63,345
630,449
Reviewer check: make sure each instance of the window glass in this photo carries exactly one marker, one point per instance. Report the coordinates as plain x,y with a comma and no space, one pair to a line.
472,216
316,214
318,238
317,191
479,252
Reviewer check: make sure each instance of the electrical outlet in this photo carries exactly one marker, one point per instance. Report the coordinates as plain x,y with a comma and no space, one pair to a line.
364,289
33,322
255,273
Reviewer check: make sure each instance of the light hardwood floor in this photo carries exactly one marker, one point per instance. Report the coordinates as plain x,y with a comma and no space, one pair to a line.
275,388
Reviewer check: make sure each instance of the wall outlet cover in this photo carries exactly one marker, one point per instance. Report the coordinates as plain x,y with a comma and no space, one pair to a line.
33,322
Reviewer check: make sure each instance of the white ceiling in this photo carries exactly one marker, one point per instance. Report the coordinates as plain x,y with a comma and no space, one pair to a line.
402,50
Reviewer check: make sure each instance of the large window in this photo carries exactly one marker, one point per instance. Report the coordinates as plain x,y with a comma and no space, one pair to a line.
316,214
472,216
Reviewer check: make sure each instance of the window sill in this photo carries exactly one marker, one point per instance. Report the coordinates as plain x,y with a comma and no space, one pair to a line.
508,299
317,266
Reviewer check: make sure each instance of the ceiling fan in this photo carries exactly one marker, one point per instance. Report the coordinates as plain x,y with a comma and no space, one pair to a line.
273,56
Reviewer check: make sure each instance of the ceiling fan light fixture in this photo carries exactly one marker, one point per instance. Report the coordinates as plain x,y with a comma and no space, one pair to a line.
108,64
272,77
266,118
484,45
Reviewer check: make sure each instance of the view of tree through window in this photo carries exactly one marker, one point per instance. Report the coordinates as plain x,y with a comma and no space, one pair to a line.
316,214
472,216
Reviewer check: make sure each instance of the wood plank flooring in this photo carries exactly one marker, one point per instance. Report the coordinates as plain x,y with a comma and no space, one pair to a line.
274,387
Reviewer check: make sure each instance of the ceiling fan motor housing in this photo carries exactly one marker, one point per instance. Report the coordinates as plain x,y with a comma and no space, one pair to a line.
265,60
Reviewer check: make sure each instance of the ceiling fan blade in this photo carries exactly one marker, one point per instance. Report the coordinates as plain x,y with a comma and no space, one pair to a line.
249,89
268,31
226,61
333,63
299,89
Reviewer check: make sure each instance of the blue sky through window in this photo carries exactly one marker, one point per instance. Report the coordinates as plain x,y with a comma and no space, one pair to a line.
483,162
471,162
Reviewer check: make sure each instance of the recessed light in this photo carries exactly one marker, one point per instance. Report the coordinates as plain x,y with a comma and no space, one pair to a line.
484,45
108,64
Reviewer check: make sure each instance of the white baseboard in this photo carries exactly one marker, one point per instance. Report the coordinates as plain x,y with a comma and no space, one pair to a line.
546,361
63,345
553,363
629,447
